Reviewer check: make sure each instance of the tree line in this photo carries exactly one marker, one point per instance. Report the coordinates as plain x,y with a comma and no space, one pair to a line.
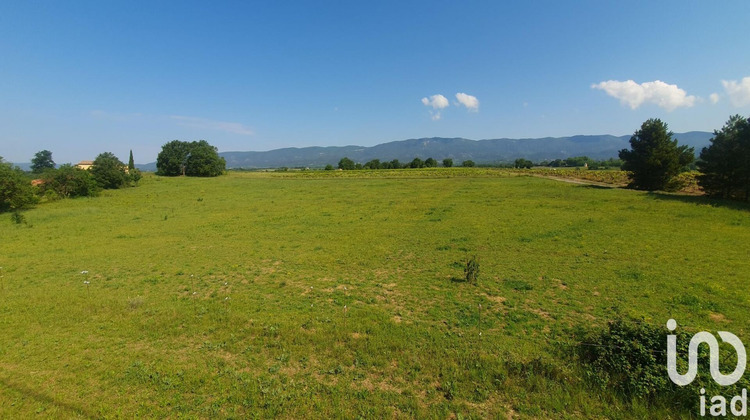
348,165
19,190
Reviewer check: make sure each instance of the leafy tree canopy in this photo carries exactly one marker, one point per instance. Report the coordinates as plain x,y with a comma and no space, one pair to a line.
197,158
16,192
655,158
42,161
69,181
346,164
725,164
109,172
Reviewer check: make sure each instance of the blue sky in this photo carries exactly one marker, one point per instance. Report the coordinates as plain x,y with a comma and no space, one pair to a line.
80,78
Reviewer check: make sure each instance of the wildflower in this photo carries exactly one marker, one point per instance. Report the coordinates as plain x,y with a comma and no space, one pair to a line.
86,282
85,272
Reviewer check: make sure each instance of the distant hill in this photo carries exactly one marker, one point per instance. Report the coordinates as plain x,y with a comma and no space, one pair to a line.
458,149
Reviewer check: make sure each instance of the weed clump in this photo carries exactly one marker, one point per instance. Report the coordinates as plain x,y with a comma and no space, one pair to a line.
471,271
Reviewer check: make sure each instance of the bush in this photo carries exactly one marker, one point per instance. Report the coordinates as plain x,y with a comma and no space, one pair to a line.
16,192
135,175
68,181
630,357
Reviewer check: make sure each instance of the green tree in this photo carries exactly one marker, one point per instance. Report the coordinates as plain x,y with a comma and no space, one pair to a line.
197,158
42,161
16,192
430,163
109,172
468,164
523,163
373,164
655,158
725,164
172,158
448,162
346,164
329,167
204,160
416,163
135,175
131,162
69,181
395,164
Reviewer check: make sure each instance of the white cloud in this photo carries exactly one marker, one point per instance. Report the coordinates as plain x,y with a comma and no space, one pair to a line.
657,92
229,127
436,101
739,92
470,102
714,97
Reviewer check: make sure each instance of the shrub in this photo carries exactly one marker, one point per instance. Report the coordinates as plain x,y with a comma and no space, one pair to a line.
630,357
68,181
16,192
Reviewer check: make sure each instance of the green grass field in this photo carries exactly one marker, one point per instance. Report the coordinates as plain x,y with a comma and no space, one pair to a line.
330,294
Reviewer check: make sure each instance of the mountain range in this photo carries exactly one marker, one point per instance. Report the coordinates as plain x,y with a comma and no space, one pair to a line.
458,149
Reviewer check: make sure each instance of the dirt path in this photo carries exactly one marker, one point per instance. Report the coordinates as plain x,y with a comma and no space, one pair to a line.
578,181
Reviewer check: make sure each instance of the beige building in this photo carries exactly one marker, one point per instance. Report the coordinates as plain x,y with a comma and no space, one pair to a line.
85,164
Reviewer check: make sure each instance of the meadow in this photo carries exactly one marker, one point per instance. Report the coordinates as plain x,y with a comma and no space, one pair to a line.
333,294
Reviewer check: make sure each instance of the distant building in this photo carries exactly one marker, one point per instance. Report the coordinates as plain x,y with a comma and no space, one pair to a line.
85,164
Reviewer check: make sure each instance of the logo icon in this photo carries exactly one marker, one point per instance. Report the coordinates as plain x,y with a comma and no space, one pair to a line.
708,338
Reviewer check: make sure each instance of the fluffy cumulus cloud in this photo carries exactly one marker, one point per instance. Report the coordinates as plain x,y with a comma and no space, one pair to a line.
657,92
437,102
470,102
229,127
739,92
714,98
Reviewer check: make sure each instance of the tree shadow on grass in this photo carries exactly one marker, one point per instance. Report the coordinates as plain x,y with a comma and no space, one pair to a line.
47,399
599,187
700,200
